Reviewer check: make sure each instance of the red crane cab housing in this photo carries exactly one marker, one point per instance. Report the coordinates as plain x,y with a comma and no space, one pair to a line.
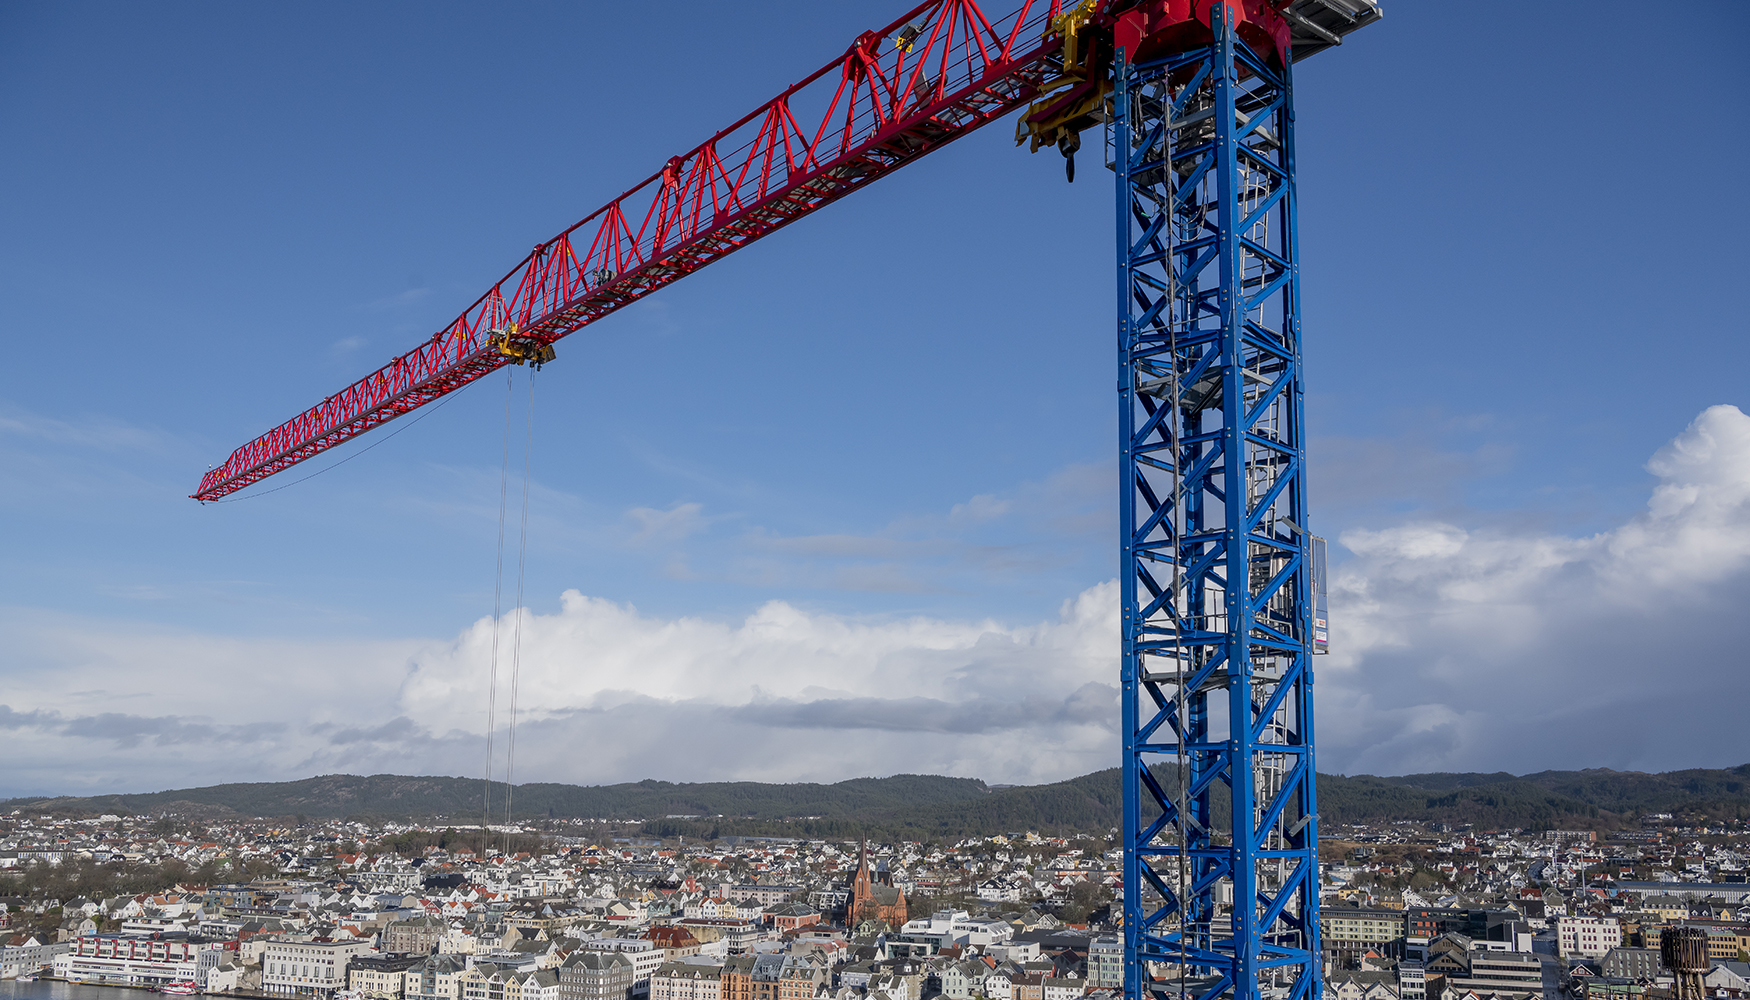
1162,27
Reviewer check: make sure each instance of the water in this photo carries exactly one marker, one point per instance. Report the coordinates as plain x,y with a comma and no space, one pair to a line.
44,989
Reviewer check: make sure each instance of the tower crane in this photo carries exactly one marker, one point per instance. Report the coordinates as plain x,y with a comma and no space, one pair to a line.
1221,597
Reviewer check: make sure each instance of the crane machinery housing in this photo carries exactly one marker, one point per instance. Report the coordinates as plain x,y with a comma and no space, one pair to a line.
1221,591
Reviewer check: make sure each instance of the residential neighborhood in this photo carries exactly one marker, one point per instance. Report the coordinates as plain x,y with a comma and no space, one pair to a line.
577,910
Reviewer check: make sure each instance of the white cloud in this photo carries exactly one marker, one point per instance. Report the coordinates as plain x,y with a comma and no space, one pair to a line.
984,507
1465,649
985,542
637,696
607,694
665,526
91,704
398,300
96,432
1457,648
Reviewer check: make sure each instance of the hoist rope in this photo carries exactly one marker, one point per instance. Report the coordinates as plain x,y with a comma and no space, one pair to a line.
497,607
516,643
1183,658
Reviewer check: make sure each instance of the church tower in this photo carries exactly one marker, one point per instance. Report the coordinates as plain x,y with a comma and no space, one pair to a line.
870,900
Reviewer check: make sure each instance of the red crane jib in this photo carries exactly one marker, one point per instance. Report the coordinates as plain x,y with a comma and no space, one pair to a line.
934,75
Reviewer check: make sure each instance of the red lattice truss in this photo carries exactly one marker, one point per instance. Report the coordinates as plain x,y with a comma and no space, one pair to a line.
930,77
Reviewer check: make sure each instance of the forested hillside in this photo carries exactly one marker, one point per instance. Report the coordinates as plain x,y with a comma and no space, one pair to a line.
393,796
913,805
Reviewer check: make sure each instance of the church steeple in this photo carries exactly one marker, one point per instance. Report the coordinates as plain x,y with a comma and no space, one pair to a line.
871,899
864,878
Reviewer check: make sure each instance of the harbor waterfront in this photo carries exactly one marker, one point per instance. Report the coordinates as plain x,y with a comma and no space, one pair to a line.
56,989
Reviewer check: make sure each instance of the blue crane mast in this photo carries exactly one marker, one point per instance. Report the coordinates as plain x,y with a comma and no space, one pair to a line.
1220,609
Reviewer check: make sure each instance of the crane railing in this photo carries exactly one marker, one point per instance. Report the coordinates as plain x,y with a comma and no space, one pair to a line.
930,77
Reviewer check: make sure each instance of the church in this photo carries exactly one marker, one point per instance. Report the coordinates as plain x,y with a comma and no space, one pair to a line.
873,900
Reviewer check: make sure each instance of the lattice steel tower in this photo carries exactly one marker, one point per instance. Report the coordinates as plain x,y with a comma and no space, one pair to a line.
1220,805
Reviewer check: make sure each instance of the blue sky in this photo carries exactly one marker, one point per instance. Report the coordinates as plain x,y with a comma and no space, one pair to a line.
887,430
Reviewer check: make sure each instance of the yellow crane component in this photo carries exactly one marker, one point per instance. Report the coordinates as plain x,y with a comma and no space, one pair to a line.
522,350
1076,98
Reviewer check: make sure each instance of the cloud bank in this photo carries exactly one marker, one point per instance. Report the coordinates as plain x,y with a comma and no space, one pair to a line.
1455,649
605,693
1459,650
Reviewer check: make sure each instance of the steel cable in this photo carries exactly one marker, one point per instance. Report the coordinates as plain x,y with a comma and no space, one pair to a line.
516,644
497,607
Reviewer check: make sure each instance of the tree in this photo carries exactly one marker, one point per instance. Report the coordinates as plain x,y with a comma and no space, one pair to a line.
1084,899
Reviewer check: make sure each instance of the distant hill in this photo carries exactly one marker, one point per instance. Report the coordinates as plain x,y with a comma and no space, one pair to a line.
399,796
1596,798
916,805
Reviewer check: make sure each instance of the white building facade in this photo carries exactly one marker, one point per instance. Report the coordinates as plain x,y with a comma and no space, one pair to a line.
33,955
683,981
645,955
308,968
140,960
1587,937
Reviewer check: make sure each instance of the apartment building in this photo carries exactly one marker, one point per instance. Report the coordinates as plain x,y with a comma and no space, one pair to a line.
597,975
681,981
437,977
1502,972
1412,980
308,968
1106,963
414,936
379,977
1349,933
140,960
29,955
647,957
1587,937
764,895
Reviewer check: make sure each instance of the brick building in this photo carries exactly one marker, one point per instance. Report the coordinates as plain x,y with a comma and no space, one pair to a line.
871,900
